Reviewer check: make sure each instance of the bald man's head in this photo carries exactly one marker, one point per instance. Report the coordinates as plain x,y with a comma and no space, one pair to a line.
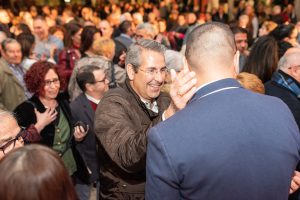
209,45
290,63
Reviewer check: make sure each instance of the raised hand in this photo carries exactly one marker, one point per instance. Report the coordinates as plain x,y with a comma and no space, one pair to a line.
182,88
45,118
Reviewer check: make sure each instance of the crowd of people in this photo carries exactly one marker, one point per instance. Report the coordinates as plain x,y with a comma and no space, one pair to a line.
150,101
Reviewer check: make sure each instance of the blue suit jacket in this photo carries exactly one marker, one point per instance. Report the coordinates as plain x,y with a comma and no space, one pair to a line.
228,143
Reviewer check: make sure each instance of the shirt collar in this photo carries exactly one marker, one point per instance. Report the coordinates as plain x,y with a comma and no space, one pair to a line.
92,99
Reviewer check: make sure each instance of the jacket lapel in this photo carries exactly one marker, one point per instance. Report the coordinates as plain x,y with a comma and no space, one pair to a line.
87,109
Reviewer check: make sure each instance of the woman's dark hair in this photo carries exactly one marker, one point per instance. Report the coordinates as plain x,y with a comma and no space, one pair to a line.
34,77
26,41
87,38
24,28
263,58
282,31
55,28
35,172
71,30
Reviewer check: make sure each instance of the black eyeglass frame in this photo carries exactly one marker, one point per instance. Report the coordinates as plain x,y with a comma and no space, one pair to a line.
13,140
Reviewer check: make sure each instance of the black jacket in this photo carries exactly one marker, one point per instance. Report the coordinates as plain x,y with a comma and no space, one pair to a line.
25,116
289,98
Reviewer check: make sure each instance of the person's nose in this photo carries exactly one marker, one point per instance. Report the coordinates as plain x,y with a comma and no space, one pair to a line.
160,76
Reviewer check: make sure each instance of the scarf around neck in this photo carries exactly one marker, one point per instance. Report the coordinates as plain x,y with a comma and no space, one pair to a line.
287,82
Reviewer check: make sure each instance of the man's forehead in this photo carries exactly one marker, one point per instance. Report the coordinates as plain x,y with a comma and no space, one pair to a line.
8,127
153,59
39,23
240,35
13,46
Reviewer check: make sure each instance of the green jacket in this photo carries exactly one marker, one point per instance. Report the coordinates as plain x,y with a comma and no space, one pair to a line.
12,92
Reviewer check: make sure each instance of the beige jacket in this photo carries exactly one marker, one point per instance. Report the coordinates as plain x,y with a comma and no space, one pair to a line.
12,92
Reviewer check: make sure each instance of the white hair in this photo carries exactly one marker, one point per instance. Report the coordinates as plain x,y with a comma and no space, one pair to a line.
174,60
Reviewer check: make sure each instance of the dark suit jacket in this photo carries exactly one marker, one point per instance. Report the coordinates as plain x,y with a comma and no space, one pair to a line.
217,17
228,143
25,116
82,111
124,40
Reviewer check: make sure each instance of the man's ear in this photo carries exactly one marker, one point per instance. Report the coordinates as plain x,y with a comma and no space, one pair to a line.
88,87
130,71
236,62
294,72
186,66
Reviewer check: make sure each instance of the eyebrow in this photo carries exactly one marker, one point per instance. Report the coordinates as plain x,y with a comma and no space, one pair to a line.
6,140
51,79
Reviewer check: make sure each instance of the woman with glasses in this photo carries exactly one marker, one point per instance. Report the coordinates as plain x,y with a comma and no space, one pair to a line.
48,112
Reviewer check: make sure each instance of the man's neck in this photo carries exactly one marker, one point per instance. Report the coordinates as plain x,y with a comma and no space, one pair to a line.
93,97
206,79
44,39
286,71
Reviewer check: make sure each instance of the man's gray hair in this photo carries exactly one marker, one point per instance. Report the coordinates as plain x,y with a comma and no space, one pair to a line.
133,55
148,27
7,41
288,59
5,114
174,60
282,62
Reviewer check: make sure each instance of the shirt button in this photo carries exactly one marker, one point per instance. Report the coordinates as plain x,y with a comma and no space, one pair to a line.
124,185
57,130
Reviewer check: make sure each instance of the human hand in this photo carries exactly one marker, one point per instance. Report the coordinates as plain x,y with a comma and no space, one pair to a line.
80,133
122,58
52,49
182,88
45,118
295,183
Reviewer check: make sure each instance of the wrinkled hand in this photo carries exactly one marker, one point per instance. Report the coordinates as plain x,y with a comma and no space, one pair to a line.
79,133
45,118
295,183
182,88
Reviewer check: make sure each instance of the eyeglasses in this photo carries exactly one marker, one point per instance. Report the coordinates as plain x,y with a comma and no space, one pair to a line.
55,81
103,80
10,144
137,36
153,71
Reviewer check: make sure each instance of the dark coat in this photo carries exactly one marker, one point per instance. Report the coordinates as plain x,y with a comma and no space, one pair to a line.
124,40
122,122
25,116
228,143
291,100
82,111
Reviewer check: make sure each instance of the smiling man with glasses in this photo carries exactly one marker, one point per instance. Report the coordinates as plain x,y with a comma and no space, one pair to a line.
125,114
10,133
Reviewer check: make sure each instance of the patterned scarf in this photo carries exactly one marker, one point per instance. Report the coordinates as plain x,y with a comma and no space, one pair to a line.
287,82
